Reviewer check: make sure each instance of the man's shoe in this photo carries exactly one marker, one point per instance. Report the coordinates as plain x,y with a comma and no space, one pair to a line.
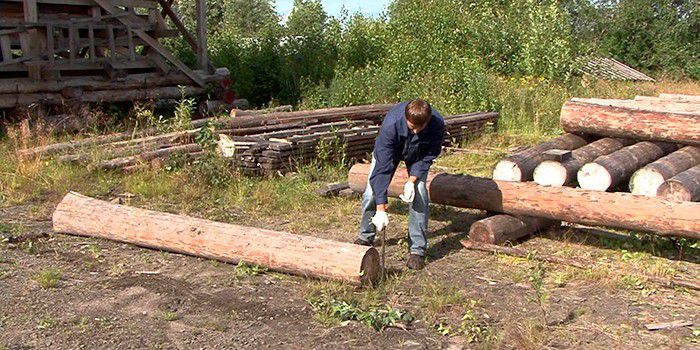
361,241
415,262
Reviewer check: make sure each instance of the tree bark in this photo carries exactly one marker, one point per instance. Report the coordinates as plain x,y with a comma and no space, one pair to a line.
553,173
682,187
499,229
608,171
646,181
645,123
280,251
520,166
622,210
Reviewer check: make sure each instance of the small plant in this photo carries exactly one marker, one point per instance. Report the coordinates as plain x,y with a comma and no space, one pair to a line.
377,317
183,112
48,278
244,269
82,323
95,251
536,279
46,323
170,316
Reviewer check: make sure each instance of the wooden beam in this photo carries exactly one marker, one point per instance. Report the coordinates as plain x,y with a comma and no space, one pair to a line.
201,14
167,9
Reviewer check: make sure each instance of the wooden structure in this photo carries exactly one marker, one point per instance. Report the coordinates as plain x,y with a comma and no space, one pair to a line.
56,52
281,251
610,69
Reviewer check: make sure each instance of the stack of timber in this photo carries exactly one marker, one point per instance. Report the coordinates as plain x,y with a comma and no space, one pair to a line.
60,52
257,143
649,146
611,69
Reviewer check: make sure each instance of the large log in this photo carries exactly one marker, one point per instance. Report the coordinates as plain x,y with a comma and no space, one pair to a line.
280,251
555,173
499,229
683,187
123,162
608,171
520,166
687,98
629,122
646,181
623,210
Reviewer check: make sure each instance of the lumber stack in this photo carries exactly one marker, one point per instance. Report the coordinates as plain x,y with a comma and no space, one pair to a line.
256,143
280,251
648,146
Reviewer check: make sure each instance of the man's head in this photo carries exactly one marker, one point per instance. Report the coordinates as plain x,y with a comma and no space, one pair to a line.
418,113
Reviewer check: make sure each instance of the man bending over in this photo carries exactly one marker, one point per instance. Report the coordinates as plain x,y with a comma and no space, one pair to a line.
412,132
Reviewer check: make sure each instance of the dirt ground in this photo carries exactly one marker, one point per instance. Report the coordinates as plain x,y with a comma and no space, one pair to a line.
118,296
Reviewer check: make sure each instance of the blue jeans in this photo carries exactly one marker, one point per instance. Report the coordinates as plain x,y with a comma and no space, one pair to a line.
418,215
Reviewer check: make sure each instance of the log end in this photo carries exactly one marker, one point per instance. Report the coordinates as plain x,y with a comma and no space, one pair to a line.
595,177
646,182
370,270
674,191
507,170
550,173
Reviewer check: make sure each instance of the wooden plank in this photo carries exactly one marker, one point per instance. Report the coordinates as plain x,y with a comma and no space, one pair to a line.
167,10
72,42
50,49
110,39
130,40
5,48
121,3
91,40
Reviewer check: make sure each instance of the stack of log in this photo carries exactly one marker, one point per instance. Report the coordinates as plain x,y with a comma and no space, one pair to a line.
256,142
649,146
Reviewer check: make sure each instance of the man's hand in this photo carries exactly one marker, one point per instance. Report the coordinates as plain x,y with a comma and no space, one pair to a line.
409,190
380,220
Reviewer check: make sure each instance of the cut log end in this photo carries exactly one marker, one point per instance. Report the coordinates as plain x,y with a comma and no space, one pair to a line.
674,191
594,177
646,182
507,170
550,173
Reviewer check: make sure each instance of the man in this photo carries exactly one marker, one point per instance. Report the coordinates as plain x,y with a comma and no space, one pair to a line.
413,132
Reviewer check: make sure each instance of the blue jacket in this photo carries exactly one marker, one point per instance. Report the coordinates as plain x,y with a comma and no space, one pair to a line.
396,143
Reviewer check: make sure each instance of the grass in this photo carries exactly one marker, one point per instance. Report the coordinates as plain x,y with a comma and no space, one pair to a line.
170,316
48,278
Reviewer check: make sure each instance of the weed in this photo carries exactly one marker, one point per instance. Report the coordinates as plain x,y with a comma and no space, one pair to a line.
244,269
377,316
537,282
48,278
83,323
695,336
103,321
117,270
170,316
46,323
95,251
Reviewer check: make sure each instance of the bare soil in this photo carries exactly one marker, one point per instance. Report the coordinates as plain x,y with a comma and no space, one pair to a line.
118,296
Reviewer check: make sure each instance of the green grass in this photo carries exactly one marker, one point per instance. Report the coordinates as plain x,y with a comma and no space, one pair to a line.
48,278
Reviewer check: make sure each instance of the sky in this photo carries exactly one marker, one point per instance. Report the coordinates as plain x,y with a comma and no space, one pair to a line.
332,7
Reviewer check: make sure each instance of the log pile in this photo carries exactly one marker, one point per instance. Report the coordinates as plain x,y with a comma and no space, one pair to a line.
256,143
648,146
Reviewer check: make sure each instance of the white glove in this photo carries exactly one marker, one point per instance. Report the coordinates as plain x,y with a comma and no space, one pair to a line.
409,192
380,220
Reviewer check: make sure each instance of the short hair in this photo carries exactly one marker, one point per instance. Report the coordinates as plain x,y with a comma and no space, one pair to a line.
418,112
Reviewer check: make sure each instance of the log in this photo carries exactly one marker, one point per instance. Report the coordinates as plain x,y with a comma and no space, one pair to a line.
280,251
682,187
610,170
622,210
146,156
642,123
688,98
499,229
646,181
521,166
554,173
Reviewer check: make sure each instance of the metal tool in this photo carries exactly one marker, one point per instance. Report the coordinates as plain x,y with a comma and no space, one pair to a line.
382,234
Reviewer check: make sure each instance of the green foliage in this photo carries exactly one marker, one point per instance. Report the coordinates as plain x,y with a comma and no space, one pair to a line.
48,278
244,269
377,317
